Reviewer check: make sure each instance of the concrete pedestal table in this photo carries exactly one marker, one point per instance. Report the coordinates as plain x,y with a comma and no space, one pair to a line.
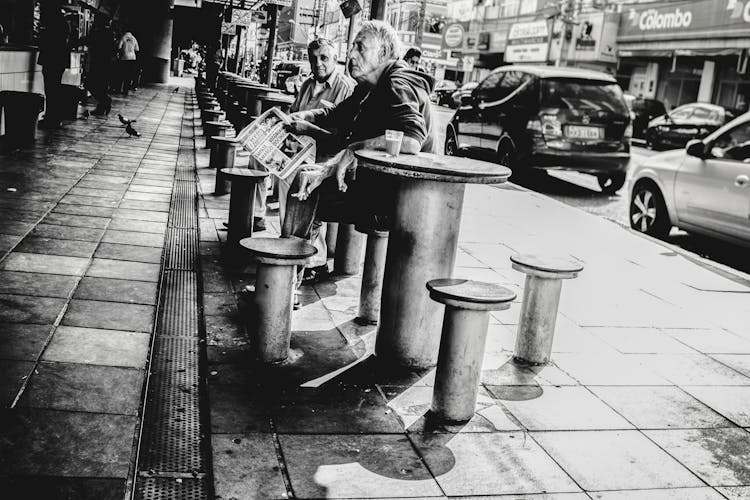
421,246
282,101
241,203
223,153
220,128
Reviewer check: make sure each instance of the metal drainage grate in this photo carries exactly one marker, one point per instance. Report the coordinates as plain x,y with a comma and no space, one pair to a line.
179,312
169,488
183,249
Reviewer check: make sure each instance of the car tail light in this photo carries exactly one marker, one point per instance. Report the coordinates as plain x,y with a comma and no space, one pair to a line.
551,126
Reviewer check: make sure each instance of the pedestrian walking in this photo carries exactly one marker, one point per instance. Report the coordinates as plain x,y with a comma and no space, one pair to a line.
54,57
127,49
101,44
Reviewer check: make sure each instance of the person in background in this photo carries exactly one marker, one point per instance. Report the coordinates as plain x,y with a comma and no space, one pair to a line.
213,63
326,87
127,49
413,57
54,57
101,44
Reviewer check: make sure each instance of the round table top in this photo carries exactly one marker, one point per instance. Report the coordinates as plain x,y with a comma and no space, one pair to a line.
279,248
225,139
244,173
216,109
278,98
434,167
552,264
221,123
470,291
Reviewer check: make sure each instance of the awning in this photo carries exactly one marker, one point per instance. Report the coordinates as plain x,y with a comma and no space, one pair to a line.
704,48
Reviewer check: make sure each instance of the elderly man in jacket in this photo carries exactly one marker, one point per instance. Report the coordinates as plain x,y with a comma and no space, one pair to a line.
389,96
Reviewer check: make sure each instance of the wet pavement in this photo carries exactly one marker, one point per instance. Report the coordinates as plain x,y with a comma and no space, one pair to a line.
647,395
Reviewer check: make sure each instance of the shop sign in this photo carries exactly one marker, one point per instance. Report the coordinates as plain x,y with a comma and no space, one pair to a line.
527,42
696,19
594,38
453,35
281,3
196,4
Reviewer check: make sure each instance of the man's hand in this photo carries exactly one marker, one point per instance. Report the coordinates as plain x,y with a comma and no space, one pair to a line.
299,127
310,178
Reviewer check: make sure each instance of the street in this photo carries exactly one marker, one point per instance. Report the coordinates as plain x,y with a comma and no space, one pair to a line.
582,191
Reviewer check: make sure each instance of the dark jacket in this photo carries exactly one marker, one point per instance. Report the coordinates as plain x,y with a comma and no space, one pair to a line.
399,101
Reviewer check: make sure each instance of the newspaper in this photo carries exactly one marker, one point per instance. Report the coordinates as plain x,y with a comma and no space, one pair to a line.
273,147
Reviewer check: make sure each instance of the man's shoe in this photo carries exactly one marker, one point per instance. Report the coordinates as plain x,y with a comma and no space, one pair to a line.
259,224
315,274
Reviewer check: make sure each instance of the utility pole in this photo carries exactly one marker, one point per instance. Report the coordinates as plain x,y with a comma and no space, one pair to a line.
273,10
419,32
568,15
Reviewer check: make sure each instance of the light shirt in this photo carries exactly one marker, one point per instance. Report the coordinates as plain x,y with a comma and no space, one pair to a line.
327,94
127,47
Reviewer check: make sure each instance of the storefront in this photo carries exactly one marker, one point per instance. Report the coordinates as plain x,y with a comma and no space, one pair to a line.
686,52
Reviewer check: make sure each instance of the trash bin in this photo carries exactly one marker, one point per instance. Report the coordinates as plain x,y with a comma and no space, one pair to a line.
178,66
21,111
70,95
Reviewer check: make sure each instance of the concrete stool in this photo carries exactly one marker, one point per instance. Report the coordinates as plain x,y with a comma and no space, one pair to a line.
274,286
241,203
223,153
372,276
332,231
541,297
213,115
348,255
467,314
219,128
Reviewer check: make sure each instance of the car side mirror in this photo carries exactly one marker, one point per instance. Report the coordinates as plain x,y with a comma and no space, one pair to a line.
696,148
467,100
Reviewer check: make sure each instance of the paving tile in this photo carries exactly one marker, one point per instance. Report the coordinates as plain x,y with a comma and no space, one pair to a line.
61,443
120,224
36,284
145,215
245,466
117,290
671,494
614,460
93,201
67,232
334,409
134,238
732,402
110,315
76,220
660,407
124,270
140,196
48,246
721,457
491,464
145,205
62,487
736,493
69,208
739,362
355,466
239,409
692,369
49,264
607,370
411,405
87,388
129,252
640,340
29,309
12,376
111,194
565,408
712,341
22,342
98,347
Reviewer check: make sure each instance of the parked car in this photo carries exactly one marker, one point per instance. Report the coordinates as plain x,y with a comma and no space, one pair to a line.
689,121
704,188
543,117
463,91
442,92
288,69
645,110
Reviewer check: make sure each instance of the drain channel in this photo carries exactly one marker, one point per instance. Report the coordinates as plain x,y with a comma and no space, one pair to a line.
173,461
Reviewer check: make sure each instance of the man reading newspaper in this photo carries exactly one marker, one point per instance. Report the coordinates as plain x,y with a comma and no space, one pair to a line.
389,96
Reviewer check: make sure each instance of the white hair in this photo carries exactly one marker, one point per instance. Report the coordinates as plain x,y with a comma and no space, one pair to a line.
386,36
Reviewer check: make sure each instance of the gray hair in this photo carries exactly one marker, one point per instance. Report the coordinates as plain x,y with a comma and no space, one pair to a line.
385,34
321,42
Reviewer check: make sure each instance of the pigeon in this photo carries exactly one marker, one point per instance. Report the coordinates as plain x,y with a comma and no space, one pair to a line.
124,120
131,131
177,89
86,114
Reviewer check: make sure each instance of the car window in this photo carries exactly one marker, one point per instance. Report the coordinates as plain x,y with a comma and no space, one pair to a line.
733,144
706,115
512,80
682,113
489,88
583,94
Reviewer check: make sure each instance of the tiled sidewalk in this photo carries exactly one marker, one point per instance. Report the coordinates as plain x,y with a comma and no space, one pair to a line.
84,214
647,397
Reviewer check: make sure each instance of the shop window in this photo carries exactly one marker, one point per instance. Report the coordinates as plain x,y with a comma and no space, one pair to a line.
509,8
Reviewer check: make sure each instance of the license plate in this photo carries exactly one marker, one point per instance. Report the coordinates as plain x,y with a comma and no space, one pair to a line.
579,132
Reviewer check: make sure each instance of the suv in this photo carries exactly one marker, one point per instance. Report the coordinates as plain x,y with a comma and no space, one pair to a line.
544,117
289,69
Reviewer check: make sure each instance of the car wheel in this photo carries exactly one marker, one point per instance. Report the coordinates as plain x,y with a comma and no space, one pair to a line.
451,146
611,183
648,212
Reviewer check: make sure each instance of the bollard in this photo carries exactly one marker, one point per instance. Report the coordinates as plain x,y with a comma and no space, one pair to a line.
274,286
223,153
332,231
348,250
372,276
541,298
462,341
212,115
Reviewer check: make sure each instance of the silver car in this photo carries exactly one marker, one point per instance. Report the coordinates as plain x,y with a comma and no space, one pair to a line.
704,188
